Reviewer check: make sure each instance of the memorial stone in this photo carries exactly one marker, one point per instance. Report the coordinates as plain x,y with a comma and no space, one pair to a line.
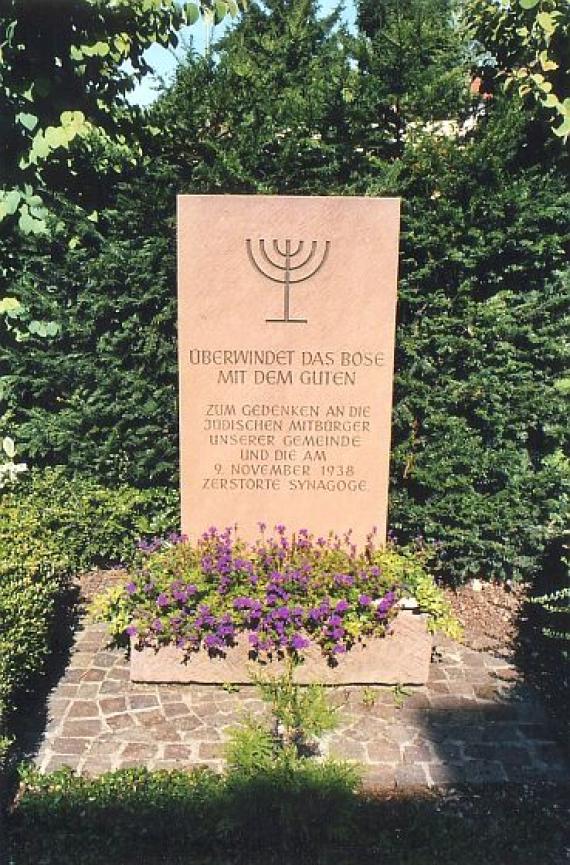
286,346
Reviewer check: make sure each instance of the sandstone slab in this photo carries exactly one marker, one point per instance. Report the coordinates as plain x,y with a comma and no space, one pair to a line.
401,657
286,321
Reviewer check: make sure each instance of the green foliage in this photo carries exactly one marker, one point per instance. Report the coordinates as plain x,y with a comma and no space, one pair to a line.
274,111
250,749
91,524
557,603
301,713
315,815
524,45
33,574
411,59
52,526
102,392
480,419
285,594
64,79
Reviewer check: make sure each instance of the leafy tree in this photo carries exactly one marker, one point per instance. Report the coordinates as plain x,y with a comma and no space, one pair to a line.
64,78
526,45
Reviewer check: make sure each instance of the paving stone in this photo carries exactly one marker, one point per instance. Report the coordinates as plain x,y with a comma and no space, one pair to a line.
347,749
411,776
166,732
119,673
73,677
120,722
383,752
88,690
112,687
366,729
400,733
473,722
189,723
534,774
451,752
179,752
537,732
175,710
149,717
174,694
69,746
505,752
113,705
66,689
142,701
204,733
506,732
83,709
59,761
96,767
487,691
104,659
446,773
417,754
483,772
93,675
58,708
139,751
439,687
81,660
81,729
211,750
547,752
507,674
379,779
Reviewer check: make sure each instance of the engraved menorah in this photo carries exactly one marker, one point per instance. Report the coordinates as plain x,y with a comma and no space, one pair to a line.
291,267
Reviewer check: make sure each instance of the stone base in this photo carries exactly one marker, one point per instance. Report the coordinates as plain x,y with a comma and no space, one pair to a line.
402,657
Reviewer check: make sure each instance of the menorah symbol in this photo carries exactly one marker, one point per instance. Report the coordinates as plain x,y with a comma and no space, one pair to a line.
288,264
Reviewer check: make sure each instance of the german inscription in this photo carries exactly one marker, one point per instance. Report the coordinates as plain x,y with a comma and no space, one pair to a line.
286,424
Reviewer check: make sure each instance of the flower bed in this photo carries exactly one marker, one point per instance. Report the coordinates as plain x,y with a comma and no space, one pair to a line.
281,596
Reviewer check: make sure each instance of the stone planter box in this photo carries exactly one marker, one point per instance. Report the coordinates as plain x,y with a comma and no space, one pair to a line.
402,657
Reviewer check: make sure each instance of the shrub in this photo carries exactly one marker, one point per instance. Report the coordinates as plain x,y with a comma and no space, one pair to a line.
317,815
33,575
95,524
51,526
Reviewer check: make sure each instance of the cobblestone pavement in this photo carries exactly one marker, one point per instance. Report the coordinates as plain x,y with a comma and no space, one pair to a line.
475,721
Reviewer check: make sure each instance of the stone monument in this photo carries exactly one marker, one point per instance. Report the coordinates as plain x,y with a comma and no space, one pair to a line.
286,345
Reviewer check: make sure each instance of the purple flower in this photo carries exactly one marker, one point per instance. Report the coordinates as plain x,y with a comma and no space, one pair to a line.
131,631
157,626
162,600
339,649
364,600
298,642
385,604
342,606
130,588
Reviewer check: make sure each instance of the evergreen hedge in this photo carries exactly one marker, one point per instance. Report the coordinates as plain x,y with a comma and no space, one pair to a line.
479,419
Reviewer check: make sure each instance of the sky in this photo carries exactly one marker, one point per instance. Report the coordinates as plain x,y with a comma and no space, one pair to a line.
163,60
